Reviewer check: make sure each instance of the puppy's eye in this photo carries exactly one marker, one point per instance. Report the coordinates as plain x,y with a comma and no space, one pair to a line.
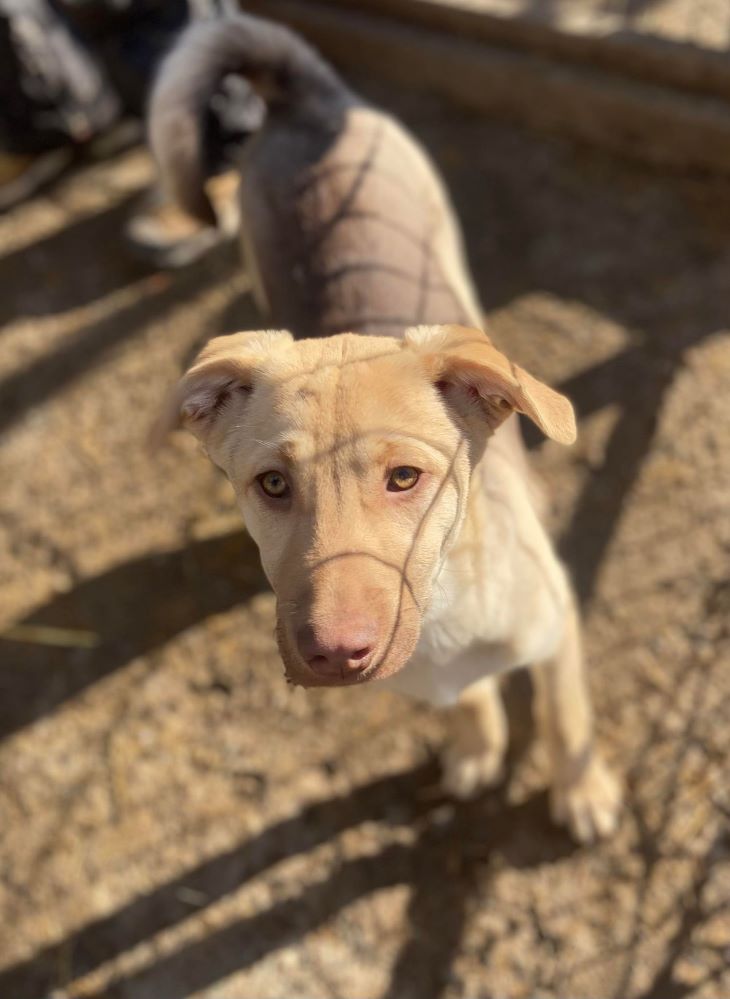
402,478
274,484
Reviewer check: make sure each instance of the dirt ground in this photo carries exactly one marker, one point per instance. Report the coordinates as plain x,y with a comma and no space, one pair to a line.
174,820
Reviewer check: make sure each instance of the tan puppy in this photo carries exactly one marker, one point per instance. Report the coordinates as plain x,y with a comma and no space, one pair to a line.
380,476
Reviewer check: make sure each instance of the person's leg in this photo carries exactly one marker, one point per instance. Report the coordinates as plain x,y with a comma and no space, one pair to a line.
129,39
53,97
159,231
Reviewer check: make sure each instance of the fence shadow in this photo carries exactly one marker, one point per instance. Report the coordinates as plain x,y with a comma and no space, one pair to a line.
130,609
57,272
445,866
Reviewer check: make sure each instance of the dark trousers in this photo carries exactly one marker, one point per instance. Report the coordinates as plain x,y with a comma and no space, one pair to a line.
68,67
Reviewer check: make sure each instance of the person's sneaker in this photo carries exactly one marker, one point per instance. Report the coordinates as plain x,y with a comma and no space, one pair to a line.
164,235
22,175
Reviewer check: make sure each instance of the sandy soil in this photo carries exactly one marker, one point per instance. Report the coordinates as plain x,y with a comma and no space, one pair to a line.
174,821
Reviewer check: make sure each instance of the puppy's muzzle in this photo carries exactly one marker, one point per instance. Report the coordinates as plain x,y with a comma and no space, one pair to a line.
344,627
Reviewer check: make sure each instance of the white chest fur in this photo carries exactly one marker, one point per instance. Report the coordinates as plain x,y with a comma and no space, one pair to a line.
498,602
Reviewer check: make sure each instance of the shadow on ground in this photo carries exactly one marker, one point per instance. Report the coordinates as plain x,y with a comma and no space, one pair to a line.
128,611
451,848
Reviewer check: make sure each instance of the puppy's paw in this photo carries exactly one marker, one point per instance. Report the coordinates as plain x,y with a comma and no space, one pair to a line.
464,777
589,806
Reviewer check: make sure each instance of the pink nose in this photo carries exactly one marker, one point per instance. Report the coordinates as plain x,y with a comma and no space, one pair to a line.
337,651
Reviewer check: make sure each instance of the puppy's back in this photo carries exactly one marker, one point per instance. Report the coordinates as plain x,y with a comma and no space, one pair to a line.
355,233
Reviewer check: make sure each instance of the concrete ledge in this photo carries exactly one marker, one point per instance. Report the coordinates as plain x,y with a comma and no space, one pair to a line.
631,94
673,44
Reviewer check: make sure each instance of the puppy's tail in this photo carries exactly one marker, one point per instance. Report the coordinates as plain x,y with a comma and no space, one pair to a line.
281,67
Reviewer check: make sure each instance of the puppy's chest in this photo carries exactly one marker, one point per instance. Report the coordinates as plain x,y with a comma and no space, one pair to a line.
463,639
458,617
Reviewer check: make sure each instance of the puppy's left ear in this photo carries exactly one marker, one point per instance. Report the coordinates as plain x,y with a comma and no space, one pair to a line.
225,370
465,359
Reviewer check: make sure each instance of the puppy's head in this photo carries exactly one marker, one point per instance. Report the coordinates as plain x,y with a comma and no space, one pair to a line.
351,457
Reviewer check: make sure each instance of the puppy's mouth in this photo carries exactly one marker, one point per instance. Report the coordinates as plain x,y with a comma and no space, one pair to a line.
303,676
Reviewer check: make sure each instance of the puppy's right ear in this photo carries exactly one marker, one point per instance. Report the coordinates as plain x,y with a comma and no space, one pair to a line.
224,370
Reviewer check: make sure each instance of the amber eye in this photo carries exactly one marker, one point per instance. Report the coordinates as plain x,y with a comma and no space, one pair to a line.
402,478
274,484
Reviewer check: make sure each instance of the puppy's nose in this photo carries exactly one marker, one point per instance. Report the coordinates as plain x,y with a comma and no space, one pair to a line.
337,651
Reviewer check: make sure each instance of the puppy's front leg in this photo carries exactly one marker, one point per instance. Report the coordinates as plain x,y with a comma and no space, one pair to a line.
476,741
584,795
